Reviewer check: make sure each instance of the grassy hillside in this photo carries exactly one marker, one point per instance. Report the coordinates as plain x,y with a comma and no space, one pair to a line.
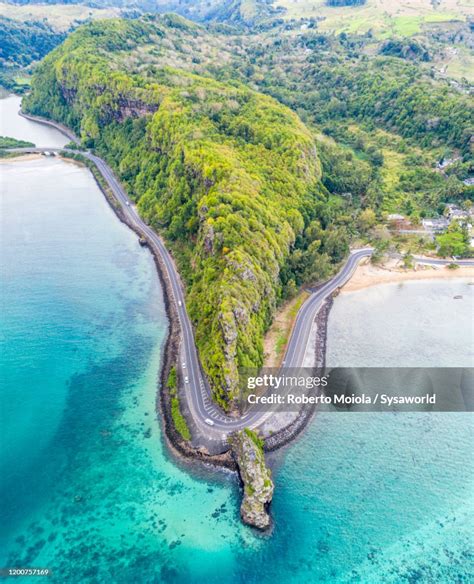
442,25
230,11
384,17
229,176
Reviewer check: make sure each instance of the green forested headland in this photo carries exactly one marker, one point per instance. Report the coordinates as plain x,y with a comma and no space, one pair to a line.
204,127
230,177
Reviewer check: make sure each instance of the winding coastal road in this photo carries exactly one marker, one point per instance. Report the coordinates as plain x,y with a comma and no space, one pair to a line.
197,389
440,262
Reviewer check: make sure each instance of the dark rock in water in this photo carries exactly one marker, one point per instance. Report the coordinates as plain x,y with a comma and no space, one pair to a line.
256,478
458,297
143,242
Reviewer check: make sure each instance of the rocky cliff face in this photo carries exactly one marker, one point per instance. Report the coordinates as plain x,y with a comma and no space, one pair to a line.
224,173
125,105
256,478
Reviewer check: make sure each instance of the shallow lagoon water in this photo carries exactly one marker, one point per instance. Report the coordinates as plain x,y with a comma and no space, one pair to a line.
86,482
90,489
383,497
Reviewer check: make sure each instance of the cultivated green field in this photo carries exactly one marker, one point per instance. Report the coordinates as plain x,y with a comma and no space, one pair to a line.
387,19
60,17
384,17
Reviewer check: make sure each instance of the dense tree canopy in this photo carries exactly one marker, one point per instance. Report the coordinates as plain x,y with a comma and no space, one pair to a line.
24,42
230,176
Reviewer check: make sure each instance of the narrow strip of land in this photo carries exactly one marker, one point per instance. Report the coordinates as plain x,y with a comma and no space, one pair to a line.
198,393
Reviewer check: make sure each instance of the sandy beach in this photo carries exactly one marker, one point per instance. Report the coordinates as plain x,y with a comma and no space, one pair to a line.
367,274
20,157
35,156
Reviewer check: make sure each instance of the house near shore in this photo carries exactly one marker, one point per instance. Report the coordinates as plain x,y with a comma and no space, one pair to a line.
437,225
458,215
455,213
399,222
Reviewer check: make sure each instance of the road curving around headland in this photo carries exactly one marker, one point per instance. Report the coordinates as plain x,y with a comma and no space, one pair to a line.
199,395
198,392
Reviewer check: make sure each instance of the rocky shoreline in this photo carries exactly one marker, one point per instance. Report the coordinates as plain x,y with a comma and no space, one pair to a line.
242,455
56,125
256,478
290,432
170,351
254,475
170,359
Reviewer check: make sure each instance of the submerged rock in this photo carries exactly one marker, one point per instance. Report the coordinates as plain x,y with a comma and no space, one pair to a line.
247,449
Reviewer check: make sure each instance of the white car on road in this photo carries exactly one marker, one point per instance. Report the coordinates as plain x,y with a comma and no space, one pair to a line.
209,422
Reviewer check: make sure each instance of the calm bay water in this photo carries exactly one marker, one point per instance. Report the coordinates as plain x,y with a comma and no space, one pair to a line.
14,126
408,324
383,497
88,488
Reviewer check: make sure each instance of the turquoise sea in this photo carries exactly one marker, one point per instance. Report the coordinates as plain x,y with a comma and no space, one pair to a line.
87,487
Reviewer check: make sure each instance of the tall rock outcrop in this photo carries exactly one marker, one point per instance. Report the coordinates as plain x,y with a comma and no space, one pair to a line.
247,449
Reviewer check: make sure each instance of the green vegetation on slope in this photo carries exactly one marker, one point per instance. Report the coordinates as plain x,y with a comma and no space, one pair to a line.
24,42
7,142
30,31
179,420
455,242
327,81
340,82
393,94
336,87
259,443
20,44
229,176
